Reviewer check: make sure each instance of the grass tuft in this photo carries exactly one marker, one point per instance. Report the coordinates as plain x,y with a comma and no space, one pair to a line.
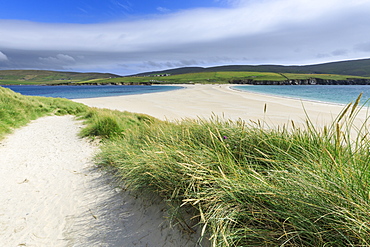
110,124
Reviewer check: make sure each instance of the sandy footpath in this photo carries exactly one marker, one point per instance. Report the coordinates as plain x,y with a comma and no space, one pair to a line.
52,195
204,100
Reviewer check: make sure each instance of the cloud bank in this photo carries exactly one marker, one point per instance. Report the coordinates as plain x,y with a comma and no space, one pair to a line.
245,32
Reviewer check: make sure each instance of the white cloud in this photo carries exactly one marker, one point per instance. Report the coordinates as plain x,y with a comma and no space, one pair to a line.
163,10
186,26
3,57
263,31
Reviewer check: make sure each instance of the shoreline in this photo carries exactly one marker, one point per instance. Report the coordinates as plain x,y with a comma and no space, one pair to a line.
90,97
208,100
286,97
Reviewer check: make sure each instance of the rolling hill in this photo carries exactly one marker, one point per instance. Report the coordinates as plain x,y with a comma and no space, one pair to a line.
344,71
48,77
351,67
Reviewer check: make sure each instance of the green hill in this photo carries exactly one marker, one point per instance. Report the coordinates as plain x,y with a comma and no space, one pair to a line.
352,67
236,77
48,77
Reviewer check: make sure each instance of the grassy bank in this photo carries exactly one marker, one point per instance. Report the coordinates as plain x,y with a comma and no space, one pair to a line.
245,185
17,110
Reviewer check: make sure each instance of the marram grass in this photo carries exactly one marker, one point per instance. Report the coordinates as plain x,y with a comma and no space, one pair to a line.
17,110
110,124
249,186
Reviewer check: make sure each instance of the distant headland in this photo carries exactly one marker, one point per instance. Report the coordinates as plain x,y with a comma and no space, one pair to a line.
352,72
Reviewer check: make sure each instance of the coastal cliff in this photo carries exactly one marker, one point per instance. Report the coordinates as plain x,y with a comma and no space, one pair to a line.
99,83
310,81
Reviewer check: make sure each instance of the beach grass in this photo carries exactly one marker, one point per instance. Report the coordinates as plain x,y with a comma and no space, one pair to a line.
244,184
251,186
17,110
109,124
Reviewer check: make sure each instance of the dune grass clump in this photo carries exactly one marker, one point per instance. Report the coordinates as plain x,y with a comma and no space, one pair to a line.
17,110
251,186
110,124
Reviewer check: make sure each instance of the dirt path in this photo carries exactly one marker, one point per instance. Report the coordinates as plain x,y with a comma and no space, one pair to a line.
52,195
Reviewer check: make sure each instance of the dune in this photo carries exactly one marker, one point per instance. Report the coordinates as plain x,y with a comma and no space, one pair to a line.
53,195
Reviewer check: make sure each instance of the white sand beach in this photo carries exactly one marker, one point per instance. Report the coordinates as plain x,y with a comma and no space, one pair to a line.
53,195
205,100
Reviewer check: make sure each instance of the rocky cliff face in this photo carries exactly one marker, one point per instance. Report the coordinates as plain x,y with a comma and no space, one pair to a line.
311,81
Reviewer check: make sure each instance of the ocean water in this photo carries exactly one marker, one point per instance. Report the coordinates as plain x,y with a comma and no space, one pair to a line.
79,92
338,94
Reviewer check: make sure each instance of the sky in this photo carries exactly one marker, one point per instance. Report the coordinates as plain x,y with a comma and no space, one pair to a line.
132,36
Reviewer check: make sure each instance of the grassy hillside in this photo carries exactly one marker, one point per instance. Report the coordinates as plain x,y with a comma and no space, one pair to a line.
353,68
220,77
47,77
201,77
221,74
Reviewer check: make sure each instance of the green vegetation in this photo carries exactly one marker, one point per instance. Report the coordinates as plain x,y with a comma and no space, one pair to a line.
293,76
110,124
251,186
222,77
17,110
359,67
220,74
246,185
47,77
219,77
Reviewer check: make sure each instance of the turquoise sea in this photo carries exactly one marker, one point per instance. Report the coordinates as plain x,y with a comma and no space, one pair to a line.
79,92
338,94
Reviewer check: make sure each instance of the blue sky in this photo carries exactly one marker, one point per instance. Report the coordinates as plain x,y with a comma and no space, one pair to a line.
94,11
127,36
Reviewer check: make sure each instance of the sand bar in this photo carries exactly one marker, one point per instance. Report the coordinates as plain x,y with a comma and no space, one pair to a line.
205,100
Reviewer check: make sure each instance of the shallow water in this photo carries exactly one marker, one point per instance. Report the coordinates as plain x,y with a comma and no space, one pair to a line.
79,92
339,94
